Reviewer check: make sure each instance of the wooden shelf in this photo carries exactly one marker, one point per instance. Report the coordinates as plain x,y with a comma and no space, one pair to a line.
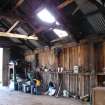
69,73
101,74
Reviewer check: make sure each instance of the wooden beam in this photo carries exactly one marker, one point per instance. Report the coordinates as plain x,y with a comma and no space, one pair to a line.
20,36
91,57
56,40
19,2
75,11
66,45
14,25
65,3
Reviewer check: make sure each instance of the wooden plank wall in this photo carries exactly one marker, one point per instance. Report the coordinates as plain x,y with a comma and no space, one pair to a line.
69,57
46,56
77,84
100,57
29,56
78,55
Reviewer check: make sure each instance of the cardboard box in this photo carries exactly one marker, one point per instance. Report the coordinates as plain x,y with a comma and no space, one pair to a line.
98,96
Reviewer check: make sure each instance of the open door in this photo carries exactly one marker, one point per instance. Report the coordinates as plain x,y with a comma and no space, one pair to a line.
12,76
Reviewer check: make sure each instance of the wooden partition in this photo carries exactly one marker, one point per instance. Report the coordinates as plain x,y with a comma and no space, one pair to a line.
100,56
100,63
89,56
77,84
78,55
69,57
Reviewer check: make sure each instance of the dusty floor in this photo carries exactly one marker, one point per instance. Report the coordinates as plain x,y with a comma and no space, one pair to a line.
18,98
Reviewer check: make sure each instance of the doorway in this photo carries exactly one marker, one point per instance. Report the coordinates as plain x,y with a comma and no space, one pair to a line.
1,64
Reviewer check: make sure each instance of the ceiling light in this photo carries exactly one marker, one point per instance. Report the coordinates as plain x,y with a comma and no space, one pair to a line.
46,16
57,23
60,33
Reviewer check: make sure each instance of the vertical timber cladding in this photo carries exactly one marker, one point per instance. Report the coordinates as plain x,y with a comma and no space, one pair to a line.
69,57
100,57
46,56
100,62
76,55
6,55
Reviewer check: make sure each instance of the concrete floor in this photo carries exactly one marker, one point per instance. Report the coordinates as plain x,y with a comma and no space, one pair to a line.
8,97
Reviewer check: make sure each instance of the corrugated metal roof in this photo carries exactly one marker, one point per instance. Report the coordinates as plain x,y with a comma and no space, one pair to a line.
15,40
86,6
96,19
22,31
35,43
98,22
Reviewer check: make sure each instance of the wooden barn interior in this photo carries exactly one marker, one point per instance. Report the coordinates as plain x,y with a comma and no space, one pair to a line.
52,52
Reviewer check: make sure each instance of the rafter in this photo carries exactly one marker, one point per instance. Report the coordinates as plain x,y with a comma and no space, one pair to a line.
76,10
65,3
14,25
19,2
20,36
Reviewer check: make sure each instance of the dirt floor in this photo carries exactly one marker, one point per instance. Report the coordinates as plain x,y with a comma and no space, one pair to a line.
8,97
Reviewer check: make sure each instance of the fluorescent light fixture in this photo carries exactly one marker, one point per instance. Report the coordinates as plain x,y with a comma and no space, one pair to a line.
60,33
46,16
